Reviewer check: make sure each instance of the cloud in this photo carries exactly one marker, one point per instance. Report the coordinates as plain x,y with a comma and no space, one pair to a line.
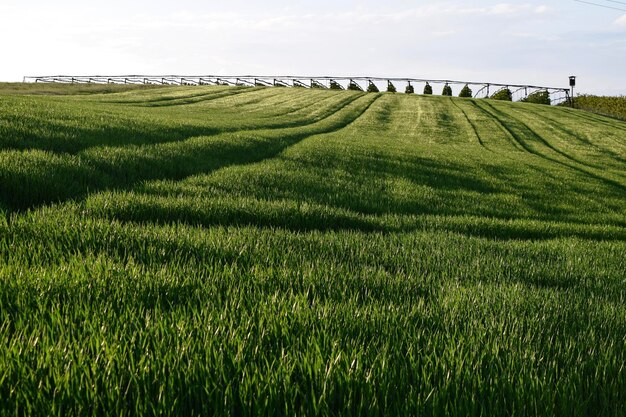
536,36
543,9
444,10
444,33
506,8
621,21
362,16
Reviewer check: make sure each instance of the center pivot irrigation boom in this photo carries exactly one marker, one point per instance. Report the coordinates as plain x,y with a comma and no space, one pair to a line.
482,89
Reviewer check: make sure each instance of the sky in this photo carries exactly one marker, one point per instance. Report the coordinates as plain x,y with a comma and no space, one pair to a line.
516,42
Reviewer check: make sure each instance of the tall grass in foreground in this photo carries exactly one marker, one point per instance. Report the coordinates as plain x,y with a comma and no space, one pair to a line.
376,255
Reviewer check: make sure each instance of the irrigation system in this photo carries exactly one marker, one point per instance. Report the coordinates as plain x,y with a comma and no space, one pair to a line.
480,89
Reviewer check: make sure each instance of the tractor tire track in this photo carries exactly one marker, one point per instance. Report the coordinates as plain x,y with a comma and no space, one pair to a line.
345,123
209,97
162,98
512,138
480,141
294,98
309,104
596,118
557,125
101,168
171,100
251,102
324,112
607,181
195,132
536,136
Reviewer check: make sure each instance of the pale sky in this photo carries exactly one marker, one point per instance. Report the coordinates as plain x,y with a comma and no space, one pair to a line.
536,42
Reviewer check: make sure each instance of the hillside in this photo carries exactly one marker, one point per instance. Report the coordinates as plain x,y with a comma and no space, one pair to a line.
255,251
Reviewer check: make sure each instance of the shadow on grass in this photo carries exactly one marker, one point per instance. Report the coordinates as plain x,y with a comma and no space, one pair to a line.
153,100
54,89
32,178
46,135
514,126
304,217
50,132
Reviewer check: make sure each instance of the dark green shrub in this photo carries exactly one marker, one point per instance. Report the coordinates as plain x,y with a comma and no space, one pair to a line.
353,86
334,85
614,106
371,88
409,89
447,90
466,92
428,89
538,97
317,84
390,87
503,94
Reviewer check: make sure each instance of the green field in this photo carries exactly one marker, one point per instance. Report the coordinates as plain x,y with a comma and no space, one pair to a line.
256,251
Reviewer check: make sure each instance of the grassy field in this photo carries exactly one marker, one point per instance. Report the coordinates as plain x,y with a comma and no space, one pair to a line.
252,251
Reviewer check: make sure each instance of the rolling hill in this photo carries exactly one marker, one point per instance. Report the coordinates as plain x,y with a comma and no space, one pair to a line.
254,251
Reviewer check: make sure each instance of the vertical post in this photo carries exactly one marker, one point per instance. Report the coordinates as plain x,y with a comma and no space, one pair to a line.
572,84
